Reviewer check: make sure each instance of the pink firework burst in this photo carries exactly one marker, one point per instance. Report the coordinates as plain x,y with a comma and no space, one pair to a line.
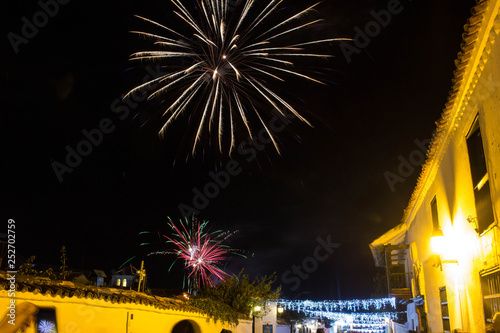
201,252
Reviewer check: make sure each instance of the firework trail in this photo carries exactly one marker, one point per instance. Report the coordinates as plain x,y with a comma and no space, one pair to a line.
200,253
201,250
222,68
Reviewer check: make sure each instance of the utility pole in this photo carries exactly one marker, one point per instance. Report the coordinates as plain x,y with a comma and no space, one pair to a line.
142,276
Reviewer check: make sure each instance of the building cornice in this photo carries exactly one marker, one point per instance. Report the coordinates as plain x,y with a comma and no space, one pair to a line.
111,295
479,35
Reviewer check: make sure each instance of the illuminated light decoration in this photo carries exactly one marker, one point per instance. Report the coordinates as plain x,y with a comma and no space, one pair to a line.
366,315
222,71
340,305
46,326
373,318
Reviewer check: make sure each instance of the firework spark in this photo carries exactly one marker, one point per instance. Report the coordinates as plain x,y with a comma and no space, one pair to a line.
223,69
46,326
202,252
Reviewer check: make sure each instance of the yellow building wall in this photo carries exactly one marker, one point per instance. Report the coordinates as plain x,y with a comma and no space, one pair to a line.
79,315
488,92
450,181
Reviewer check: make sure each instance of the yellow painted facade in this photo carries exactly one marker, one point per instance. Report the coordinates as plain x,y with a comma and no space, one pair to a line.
82,314
464,277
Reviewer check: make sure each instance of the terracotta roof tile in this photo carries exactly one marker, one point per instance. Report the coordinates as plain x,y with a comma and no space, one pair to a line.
111,295
469,37
480,7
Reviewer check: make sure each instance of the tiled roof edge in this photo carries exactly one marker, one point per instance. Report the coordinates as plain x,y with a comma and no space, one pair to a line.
469,39
99,293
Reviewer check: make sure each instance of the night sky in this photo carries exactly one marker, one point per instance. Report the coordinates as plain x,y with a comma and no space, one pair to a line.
328,184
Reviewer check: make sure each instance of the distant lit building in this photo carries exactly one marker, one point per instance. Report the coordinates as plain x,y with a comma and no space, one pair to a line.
98,277
455,283
125,278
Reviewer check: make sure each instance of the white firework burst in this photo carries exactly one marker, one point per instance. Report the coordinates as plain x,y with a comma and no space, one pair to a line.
223,70
46,326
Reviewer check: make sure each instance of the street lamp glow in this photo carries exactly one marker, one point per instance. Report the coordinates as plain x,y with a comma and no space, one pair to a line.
438,245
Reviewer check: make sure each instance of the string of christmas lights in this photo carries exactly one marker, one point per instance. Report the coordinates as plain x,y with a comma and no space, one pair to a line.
356,305
374,318
361,315
364,327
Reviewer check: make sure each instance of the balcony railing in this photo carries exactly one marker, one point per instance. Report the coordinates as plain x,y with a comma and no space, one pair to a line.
400,280
400,285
